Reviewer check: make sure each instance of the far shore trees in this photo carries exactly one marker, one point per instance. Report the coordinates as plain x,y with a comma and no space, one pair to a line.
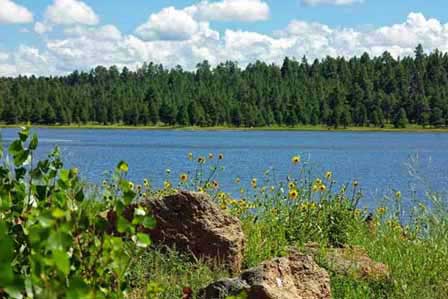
338,92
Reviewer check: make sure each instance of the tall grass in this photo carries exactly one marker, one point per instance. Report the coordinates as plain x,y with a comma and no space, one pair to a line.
415,248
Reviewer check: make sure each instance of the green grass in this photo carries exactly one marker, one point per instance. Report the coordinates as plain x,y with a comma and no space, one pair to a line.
416,253
387,128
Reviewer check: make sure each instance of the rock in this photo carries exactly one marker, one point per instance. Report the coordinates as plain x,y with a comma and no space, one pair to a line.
296,276
193,223
352,261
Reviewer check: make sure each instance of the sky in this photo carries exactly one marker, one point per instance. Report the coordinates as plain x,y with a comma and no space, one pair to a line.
56,37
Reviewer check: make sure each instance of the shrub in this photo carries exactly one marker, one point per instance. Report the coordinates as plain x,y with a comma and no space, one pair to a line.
53,240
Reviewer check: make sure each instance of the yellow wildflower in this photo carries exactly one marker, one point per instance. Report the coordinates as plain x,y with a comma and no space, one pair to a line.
166,185
296,160
254,183
291,185
398,194
322,188
355,183
145,182
220,156
201,160
293,194
380,211
131,185
210,156
190,156
183,177
328,175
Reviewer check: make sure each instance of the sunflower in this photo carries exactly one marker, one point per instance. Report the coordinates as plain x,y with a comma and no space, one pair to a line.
293,194
296,160
131,185
291,185
220,156
254,183
328,175
322,188
201,160
183,177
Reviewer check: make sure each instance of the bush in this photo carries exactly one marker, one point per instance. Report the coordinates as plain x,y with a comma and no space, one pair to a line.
53,240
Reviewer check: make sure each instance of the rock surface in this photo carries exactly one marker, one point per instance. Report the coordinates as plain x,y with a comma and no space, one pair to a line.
296,276
193,223
352,261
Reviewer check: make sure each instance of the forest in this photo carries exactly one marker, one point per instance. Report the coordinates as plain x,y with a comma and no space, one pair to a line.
337,92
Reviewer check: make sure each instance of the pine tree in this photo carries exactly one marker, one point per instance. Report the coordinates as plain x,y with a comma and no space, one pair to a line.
401,119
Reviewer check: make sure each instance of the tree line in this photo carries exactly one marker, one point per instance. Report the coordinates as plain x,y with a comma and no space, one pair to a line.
338,92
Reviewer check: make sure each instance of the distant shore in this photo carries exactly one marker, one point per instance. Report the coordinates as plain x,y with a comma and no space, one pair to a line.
410,128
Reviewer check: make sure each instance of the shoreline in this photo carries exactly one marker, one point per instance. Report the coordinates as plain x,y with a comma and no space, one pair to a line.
410,129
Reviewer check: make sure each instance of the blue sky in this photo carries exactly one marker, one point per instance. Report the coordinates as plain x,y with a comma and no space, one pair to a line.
57,36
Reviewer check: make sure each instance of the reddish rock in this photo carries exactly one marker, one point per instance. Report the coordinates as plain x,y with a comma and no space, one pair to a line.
191,222
352,261
294,277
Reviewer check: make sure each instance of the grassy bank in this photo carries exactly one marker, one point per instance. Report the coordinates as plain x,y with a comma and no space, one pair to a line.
54,243
387,128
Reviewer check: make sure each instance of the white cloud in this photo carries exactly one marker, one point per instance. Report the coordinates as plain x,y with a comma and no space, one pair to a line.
4,56
84,47
69,12
41,27
331,2
13,13
168,24
230,10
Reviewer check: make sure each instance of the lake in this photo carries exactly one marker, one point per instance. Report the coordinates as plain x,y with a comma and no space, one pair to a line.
379,161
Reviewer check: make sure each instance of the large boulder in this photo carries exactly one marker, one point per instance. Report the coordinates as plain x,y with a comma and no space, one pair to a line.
193,223
294,277
350,261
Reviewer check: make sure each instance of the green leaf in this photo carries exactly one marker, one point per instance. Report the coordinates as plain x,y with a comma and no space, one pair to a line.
15,148
21,158
58,213
149,222
24,133
6,274
14,292
123,166
142,240
78,289
122,224
62,261
34,142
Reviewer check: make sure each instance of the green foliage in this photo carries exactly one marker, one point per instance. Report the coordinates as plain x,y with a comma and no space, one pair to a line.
338,92
53,240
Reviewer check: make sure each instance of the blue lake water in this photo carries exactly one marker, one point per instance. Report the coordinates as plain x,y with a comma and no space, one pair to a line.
379,161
